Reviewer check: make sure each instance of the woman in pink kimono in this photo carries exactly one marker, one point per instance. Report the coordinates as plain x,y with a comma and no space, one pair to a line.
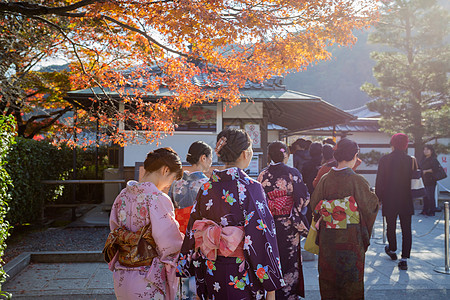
142,203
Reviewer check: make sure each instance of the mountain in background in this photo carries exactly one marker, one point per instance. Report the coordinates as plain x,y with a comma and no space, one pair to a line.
339,79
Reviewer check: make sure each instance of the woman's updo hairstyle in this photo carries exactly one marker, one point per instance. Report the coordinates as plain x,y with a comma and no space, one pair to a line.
230,144
163,157
276,151
196,150
345,150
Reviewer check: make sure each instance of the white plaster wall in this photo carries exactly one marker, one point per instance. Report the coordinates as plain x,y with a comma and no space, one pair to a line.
244,110
179,142
272,136
370,137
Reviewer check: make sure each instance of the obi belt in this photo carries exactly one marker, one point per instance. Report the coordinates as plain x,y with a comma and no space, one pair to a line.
135,248
338,213
280,203
213,239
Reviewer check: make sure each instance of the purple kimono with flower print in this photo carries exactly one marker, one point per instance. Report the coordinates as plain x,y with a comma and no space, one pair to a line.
285,180
231,198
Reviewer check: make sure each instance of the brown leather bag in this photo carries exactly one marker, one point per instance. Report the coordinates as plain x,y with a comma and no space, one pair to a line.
135,248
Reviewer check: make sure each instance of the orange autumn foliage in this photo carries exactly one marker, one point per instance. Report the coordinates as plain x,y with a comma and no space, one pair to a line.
118,44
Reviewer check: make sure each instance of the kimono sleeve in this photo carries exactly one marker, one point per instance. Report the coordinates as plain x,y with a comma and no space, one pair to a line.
260,244
301,201
367,202
318,194
300,193
165,230
187,263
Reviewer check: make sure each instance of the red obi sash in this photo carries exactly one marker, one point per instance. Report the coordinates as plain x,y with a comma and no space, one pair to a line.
182,215
214,240
280,203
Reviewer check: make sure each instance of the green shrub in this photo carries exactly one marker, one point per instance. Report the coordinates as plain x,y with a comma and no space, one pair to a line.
29,163
6,140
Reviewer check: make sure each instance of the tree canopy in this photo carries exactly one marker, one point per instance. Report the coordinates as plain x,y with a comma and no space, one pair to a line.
115,44
412,95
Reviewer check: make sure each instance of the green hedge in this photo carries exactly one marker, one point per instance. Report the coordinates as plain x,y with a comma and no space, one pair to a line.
6,140
30,162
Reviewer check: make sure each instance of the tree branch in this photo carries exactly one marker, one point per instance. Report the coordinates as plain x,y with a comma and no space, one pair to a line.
143,33
32,9
57,115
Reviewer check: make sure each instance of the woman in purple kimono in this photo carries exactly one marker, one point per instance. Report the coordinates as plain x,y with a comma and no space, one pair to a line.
288,198
230,243
139,204
184,192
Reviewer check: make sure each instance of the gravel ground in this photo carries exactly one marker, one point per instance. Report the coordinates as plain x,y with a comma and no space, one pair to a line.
57,239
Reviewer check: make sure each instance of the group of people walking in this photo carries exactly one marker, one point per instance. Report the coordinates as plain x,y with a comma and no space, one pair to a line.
241,239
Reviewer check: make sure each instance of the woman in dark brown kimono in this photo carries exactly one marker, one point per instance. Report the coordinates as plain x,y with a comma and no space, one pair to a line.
345,210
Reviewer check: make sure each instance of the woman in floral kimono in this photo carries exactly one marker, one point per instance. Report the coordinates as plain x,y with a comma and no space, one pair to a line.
345,210
142,203
230,243
288,198
184,191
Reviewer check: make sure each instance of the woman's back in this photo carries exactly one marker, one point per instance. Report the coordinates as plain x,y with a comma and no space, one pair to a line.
184,191
232,199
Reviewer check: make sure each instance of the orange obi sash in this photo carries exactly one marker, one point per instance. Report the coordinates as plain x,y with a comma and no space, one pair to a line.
213,239
279,202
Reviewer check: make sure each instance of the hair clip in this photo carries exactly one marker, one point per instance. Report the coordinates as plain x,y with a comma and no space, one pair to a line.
220,144
282,150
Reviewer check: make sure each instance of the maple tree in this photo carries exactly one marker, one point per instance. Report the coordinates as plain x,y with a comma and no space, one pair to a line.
135,47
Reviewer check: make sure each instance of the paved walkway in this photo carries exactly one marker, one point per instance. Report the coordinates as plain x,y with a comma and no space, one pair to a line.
383,279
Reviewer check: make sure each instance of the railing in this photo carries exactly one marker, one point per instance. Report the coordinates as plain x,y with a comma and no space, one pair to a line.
74,204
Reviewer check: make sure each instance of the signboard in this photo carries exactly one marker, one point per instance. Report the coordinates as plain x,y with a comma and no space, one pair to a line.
253,167
254,132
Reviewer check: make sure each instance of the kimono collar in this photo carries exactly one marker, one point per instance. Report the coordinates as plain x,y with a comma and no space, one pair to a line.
193,175
336,169
135,187
231,174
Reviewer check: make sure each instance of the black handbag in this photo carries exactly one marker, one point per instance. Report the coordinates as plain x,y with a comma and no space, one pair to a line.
440,173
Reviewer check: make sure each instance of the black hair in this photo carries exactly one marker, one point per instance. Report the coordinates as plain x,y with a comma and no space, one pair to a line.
315,150
238,140
430,147
276,151
302,143
196,150
163,157
308,144
327,152
345,150
329,141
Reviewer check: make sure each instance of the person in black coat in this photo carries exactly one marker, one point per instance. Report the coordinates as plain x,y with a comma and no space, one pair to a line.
309,171
300,153
312,166
429,165
393,188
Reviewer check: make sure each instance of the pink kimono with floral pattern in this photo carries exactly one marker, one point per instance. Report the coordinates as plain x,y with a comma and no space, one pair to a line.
136,206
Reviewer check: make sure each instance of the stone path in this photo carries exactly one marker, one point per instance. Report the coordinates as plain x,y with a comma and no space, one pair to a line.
383,279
